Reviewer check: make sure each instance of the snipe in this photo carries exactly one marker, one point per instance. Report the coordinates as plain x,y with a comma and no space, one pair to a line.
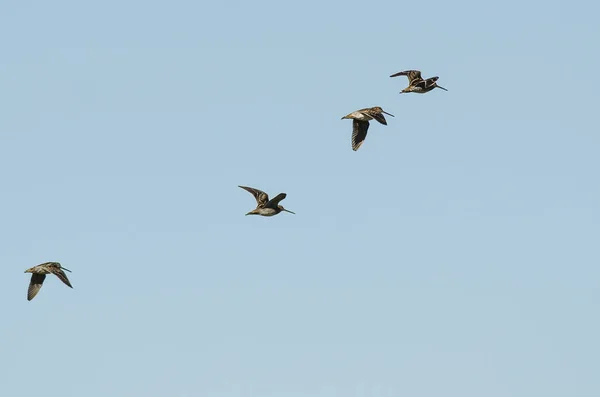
416,83
360,123
264,206
38,275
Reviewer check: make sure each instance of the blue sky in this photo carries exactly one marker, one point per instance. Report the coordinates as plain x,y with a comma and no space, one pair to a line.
455,254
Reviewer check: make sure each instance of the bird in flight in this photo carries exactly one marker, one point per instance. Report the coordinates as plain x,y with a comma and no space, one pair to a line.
264,206
360,123
38,275
416,83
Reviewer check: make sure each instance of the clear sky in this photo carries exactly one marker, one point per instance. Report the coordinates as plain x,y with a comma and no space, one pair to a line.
456,254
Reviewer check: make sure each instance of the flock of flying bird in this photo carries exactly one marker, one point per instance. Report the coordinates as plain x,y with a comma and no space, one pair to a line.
360,118
264,206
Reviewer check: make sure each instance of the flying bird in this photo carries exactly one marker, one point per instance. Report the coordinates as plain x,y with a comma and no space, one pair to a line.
38,275
360,123
416,83
264,206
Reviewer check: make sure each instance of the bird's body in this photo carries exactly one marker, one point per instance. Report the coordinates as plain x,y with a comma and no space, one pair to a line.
264,206
360,123
265,211
416,83
38,275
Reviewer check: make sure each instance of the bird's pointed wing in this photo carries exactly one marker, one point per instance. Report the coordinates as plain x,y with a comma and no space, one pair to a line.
260,196
61,275
35,285
413,75
379,117
274,202
359,133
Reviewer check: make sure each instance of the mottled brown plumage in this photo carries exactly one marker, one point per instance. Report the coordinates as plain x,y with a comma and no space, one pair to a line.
416,83
38,275
264,206
360,123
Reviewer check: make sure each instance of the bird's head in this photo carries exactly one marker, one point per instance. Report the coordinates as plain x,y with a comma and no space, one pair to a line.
283,209
435,84
380,110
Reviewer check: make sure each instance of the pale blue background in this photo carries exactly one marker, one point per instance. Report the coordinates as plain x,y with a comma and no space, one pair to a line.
456,254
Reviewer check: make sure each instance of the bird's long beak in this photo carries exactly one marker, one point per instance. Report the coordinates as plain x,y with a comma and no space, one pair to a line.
289,211
250,213
439,86
64,268
388,113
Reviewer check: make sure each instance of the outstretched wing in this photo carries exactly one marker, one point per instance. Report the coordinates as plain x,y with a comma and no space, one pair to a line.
260,196
413,75
359,133
35,285
61,275
274,202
